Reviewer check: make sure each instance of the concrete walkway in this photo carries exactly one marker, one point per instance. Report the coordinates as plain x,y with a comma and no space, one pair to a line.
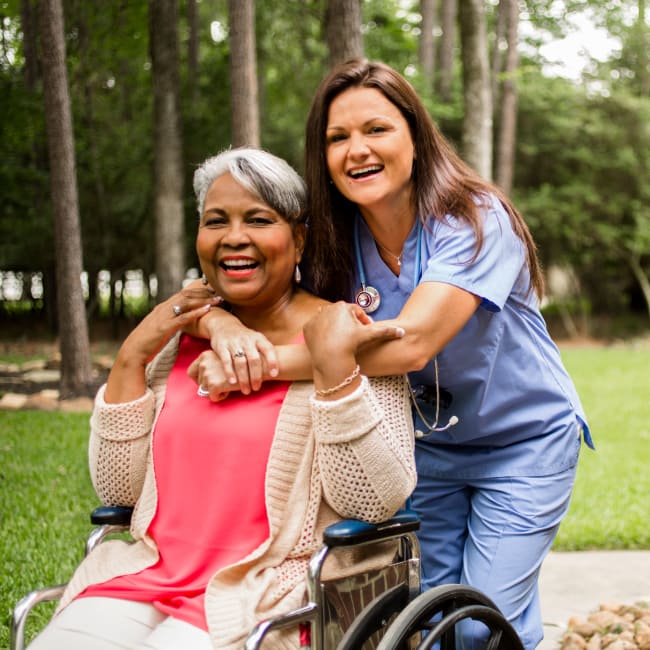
575,584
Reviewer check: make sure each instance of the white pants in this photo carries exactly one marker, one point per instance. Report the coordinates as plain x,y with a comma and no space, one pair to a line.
114,624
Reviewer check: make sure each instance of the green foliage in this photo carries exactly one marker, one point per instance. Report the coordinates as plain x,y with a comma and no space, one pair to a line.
582,155
583,160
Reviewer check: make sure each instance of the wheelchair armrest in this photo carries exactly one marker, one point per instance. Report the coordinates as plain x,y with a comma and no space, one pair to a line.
352,531
111,516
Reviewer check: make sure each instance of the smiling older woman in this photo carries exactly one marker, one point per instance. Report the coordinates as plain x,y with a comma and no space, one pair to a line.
243,487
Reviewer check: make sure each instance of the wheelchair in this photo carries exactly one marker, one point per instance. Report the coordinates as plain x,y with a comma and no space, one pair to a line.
381,609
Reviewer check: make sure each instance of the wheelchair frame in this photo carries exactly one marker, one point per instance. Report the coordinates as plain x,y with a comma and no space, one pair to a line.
407,621
344,534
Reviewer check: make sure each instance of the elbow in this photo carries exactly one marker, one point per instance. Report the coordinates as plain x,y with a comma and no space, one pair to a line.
416,353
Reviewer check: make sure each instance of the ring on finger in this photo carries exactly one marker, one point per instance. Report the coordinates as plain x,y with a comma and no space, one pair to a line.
177,309
239,353
201,392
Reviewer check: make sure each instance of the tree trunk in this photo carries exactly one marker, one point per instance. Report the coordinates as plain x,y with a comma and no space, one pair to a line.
29,28
427,50
499,47
477,95
641,277
76,378
168,178
193,49
343,29
243,74
508,107
445,75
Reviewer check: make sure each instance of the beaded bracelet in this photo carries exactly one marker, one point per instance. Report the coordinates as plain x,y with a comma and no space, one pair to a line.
324,392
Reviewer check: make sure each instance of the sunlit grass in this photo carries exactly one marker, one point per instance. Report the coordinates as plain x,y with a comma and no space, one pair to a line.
611,502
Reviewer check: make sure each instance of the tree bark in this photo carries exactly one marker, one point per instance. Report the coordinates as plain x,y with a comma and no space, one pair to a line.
193,48
499,47
477,95
426,46
30,50
343,29
243,74
508,107
445,76
168,177
76,378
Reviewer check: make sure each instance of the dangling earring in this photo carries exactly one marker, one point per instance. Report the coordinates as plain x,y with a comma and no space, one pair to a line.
297,276
204,280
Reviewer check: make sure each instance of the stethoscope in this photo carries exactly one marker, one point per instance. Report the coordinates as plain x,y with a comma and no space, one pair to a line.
369,299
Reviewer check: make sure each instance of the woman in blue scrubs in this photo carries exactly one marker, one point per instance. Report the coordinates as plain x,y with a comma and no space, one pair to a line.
402,229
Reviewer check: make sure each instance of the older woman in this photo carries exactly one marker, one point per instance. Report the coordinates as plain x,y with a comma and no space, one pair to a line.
232,495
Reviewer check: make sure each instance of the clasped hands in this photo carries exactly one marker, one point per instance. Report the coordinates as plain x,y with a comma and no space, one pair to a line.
241,359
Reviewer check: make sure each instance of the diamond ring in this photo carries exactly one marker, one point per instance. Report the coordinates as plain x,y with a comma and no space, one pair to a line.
201,392
177,309
239,353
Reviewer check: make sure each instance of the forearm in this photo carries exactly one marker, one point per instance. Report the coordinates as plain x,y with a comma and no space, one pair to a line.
119,447
295,363
368,435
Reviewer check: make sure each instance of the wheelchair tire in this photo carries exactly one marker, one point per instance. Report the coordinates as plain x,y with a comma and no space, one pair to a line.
454,603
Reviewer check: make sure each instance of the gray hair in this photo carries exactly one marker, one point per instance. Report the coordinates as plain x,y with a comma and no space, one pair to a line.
268,177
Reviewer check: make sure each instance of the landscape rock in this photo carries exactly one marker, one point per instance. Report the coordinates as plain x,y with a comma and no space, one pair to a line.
614,626
12,401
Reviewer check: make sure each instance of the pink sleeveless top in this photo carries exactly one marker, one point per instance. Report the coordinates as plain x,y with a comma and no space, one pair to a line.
210,464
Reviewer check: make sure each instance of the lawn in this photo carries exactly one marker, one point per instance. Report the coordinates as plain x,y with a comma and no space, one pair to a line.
46,494
611,501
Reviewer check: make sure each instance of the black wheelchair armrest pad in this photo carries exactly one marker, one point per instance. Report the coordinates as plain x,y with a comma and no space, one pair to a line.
353,531
111,516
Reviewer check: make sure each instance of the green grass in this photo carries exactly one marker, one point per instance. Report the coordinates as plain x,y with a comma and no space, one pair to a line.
46,495
610,507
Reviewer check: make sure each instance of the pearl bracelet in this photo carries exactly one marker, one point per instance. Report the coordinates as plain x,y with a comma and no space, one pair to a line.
324,392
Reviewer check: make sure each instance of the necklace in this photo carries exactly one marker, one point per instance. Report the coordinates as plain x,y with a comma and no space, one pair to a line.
397,258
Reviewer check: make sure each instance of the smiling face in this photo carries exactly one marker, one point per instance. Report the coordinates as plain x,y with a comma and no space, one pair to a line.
247,251
370,151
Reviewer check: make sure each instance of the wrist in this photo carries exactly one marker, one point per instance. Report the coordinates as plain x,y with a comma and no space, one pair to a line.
332,386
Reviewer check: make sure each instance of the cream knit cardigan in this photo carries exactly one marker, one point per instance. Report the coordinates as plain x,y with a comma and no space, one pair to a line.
349,458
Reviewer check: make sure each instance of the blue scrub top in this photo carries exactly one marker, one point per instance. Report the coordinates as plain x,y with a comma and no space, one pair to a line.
518,410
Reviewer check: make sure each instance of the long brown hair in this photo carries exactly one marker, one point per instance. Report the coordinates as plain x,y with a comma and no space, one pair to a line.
443,183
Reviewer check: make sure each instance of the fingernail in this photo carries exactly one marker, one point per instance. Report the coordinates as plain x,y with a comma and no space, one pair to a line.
207,307
274,372
399,331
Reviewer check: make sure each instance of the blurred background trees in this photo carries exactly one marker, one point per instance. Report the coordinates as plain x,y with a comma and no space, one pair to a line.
157,87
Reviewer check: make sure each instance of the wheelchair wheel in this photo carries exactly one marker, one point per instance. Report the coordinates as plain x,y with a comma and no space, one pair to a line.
432,617
364,630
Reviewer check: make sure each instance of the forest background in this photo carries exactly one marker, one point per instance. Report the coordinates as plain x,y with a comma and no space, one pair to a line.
107,108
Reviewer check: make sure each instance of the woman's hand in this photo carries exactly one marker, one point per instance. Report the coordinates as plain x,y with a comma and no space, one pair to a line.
126,380
334,337
246,356
208,372
344,329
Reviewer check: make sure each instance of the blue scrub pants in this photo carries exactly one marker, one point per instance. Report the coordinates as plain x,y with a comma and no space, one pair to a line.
492,534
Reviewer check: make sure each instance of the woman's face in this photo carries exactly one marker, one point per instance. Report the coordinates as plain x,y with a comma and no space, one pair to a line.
247,251
369,150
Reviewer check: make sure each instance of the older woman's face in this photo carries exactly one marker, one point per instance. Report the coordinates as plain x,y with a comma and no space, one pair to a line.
369,149
247,251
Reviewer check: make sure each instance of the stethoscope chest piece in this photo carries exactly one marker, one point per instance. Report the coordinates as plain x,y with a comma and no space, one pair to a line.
368,299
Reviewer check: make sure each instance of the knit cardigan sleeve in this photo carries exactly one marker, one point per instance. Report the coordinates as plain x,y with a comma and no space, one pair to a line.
120,436
365,449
